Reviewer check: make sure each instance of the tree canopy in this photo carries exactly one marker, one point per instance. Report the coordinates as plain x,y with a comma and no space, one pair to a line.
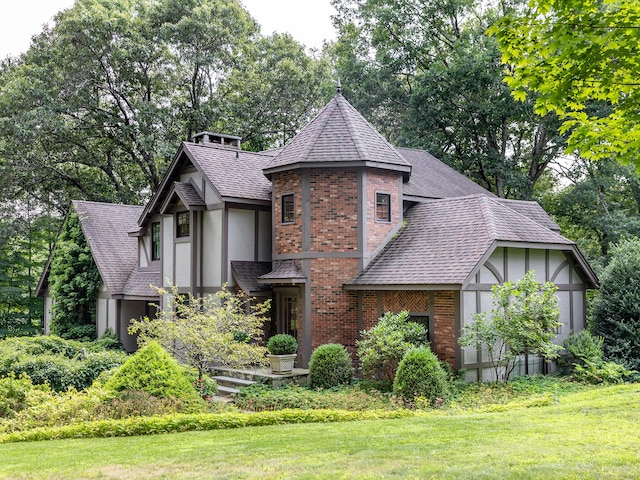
581,60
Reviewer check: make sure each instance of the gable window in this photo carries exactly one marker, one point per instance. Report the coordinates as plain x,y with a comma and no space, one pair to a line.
155,241
383,207
183,224
288,208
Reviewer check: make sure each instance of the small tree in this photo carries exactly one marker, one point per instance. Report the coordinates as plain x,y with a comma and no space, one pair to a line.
384,345
222,329
524,320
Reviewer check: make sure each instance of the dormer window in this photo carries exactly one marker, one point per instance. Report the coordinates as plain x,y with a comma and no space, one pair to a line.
182,219
383,207
155,241
288,208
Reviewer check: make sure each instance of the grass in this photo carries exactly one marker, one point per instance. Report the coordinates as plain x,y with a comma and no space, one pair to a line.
589,434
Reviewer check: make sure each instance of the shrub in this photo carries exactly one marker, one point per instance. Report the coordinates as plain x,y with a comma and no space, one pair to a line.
382,347
330,366
108,341
582,348
616,309
602,373
154,371
420,375
260,398
282,344
13,394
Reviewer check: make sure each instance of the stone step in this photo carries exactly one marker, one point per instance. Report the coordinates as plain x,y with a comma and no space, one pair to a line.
224,391
232,381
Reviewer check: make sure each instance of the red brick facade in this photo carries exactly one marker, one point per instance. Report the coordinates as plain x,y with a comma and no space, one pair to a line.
379,181
288,236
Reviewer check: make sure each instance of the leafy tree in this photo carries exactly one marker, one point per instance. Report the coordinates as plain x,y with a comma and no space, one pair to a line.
616,310
523,321
383,346
580,59
599,206
74,284
427,75
219,329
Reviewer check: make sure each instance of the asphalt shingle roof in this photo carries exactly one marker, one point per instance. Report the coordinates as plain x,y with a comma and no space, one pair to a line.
140,284
338,134
247,273
444,240
188,194
234,173
432,178
105,226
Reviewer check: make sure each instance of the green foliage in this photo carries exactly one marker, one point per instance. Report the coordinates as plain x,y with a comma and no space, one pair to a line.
199,422
616,309
260,398
384,345
523,320
13,394
282,344
108,341
421,376
579,57
221,329
330,366
427,75
603,373
74,282
583,348
151,369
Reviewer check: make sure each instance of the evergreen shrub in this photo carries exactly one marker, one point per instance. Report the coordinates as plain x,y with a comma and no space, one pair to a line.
151,369
330,366
420,375
282,344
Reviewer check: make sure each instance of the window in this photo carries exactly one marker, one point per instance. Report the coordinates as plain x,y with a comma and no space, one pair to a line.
183,224
383,207
288,208
421,318
155,241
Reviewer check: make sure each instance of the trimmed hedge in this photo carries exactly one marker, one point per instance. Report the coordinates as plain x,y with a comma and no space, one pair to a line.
185,422
420,376
330,366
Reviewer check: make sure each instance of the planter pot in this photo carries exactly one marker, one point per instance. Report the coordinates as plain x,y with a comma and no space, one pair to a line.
282,363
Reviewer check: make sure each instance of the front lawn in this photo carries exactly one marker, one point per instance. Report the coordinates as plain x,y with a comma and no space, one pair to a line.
589,434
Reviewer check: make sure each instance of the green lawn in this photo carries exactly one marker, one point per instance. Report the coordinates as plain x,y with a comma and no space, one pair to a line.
593,434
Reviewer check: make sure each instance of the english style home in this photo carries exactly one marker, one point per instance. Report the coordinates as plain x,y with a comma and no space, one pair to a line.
336,228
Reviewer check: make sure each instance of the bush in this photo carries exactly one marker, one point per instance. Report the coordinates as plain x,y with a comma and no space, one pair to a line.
382,347
151,369
282,344
108,341
602,373
616,310
13,394
420,376
260,398
582,348
330,366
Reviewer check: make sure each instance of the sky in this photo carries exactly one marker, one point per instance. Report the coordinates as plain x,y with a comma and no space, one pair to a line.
308,21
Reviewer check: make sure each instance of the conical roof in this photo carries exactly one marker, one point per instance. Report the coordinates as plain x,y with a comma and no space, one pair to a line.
338,135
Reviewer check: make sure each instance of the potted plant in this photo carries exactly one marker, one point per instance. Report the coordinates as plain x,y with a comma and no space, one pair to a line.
282,350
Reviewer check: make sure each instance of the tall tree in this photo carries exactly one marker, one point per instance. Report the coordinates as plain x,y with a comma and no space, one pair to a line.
574,55
436,82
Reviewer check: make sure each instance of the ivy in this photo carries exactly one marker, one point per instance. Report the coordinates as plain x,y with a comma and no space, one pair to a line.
74,284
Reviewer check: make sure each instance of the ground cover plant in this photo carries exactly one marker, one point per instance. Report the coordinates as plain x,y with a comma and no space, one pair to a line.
588,434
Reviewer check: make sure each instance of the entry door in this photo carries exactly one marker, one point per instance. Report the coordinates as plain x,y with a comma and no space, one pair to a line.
287,313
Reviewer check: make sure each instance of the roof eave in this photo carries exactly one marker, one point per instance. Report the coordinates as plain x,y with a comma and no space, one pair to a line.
404,169
404,286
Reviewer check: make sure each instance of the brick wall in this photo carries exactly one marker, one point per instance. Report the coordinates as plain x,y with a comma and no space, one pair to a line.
334,210
288,236
380,181
375,304
334,311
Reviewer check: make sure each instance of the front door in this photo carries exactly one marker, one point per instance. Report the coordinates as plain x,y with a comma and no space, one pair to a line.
287,313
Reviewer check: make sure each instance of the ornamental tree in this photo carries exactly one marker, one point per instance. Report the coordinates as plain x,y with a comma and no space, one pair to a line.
523,321
223,329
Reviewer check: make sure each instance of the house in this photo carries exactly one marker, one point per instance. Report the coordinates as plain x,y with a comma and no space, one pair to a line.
337,227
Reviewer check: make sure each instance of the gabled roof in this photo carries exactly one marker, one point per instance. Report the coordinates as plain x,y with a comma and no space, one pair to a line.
432,178
531,210
246,275
445,240
338,134
105,226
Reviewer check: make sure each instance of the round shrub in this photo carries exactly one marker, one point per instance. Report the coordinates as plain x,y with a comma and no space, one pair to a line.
330,366
420,375
154,371
282,344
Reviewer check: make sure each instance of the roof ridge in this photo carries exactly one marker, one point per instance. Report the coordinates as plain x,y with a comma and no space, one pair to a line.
498,200
488,220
